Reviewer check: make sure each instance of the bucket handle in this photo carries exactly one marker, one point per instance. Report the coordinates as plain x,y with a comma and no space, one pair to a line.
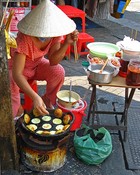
83,98
86,93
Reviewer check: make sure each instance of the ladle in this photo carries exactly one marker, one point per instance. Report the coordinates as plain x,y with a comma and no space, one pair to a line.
103,66
70,91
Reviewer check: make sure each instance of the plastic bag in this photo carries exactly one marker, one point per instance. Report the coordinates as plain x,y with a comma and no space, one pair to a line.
92,146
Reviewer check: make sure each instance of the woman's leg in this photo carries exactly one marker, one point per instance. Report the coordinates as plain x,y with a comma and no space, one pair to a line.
54,75
15,95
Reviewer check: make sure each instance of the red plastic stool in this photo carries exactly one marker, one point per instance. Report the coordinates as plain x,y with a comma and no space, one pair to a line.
28,104
83,39
67,54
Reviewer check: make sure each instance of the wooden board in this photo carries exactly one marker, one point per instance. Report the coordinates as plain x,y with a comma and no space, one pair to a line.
116,82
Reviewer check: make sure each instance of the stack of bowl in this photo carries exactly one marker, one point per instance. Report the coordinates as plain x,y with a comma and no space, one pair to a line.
98,53
102,49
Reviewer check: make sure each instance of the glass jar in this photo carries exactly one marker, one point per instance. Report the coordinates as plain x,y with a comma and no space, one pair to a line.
125,61
133,73
123,68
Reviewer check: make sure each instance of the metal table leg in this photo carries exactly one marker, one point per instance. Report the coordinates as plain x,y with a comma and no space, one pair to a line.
92,110
92,103
128,99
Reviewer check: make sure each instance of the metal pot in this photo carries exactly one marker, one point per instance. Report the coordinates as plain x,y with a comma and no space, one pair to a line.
97,77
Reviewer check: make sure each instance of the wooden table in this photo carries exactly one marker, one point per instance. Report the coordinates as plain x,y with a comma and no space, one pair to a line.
73,12
116,82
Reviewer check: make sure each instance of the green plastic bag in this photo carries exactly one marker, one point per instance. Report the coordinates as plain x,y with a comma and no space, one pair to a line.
92,146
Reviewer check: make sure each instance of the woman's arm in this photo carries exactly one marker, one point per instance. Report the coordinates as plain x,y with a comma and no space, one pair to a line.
18,67
57,52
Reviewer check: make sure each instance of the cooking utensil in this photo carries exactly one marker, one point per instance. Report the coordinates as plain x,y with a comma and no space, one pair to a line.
70,91
104,78
62,134
104,66
75,51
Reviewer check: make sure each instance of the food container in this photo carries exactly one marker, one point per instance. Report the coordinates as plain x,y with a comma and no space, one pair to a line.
129,46
130,50
94,60
63,98
115,63
102,49
97,77
125,61
133,73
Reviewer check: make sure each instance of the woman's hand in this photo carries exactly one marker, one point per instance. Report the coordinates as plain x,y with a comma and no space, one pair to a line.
39,105
58,50
70,38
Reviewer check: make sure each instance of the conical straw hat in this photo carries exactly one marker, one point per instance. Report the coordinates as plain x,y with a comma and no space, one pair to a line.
46,20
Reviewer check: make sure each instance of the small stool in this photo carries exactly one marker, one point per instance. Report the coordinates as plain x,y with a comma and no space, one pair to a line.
83,39
28,104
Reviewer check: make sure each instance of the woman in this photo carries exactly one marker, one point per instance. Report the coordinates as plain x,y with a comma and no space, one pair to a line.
40,34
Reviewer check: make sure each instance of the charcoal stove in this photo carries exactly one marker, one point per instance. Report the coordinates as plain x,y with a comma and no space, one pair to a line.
42,153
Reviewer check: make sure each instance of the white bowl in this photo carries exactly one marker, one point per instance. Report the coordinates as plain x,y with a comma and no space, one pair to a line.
94,60
102,49
63,98
130,47
116,71
116,64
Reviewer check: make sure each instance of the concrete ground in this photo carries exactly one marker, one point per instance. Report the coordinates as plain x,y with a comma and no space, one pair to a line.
125,156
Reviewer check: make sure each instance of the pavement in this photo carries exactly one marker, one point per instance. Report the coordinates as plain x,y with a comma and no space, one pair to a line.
125,156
